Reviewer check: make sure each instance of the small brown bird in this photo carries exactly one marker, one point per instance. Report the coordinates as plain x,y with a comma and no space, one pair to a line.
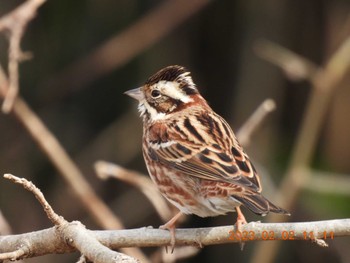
191,153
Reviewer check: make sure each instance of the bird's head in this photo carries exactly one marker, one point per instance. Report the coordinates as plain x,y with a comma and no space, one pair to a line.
169,90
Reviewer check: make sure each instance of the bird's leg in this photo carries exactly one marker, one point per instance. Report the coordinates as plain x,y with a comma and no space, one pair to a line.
240,219
170,225
240,222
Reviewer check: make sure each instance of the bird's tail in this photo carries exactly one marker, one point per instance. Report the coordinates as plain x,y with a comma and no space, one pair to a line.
276,209
258,204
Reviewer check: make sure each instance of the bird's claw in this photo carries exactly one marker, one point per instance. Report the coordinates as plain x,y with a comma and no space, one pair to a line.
240,222
172,237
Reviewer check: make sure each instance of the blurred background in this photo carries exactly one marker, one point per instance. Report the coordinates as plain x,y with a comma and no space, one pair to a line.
75,83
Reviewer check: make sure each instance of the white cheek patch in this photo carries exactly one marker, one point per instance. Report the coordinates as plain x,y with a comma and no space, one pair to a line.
154,115
142,109
172,90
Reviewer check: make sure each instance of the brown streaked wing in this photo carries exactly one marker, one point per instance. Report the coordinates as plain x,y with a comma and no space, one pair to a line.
208,157
241,158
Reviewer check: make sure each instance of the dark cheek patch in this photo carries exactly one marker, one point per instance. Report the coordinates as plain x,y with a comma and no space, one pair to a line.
163,106
167,105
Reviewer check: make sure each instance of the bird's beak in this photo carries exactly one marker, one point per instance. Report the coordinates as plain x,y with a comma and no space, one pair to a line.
136,94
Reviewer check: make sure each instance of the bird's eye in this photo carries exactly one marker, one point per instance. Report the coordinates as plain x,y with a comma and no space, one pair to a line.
155,93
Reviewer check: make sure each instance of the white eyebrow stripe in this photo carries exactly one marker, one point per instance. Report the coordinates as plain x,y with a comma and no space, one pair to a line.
172,90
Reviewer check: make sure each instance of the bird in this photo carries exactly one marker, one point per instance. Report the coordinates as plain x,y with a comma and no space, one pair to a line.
192,154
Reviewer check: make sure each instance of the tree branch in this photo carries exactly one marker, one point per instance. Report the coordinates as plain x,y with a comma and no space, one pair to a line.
294,66
54,218
5,228
67,237
119,49
72,234
15,22
47,241
65,165
324,82
144,184
250,126
326,182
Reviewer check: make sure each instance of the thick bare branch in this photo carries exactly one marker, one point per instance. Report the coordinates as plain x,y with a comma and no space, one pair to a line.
15,22
68,169
72,234
68,238
14,255
253,231
76,235
47,241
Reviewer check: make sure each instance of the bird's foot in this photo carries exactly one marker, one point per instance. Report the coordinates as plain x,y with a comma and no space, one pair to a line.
171,229
239,223
170,225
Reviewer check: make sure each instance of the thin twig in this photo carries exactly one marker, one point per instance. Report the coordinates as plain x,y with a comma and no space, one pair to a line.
68,169
71,173
294,66
328,183
3,82
123,47
15,22
246,131
46,140
5,228
54,218
324,83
